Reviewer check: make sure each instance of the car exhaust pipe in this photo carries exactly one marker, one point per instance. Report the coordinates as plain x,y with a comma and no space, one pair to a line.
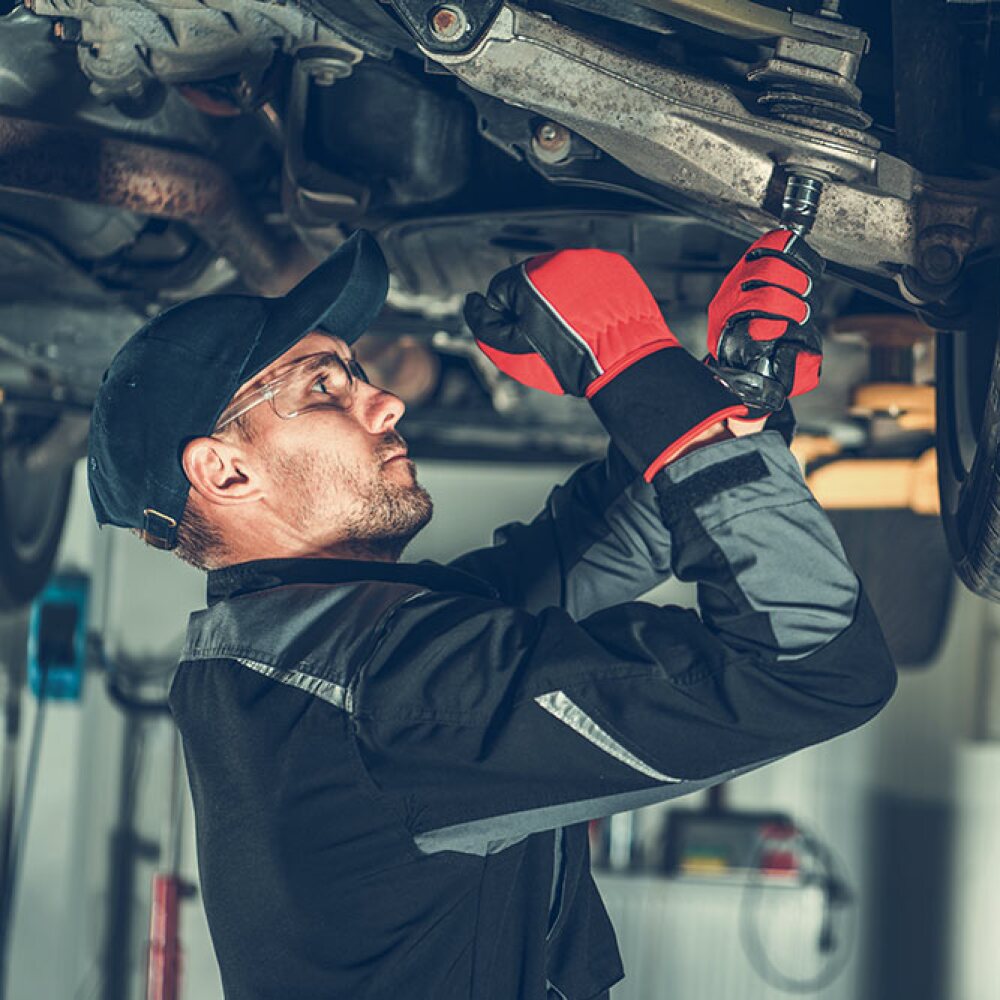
93,167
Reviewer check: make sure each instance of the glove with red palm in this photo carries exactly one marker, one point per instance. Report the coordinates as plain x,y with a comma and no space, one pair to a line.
760,335
583,322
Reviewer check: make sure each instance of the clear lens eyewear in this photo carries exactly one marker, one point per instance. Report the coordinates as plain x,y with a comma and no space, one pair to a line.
320,382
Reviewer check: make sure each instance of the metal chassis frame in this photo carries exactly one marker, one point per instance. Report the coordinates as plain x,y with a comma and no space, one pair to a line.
879,216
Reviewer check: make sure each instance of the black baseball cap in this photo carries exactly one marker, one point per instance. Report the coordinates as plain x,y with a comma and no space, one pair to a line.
172,379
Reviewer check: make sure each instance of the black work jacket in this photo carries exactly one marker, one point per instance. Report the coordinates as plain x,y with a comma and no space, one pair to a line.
392,765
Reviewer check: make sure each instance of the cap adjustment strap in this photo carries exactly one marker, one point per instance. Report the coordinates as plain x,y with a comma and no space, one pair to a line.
158,529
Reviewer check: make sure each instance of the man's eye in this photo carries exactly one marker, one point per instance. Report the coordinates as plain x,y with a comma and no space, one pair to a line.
329,381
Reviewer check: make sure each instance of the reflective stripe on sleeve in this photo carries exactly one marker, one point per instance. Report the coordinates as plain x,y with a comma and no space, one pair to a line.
568,712
334,694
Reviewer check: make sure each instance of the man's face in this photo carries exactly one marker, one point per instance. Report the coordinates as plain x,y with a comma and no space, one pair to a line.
335,477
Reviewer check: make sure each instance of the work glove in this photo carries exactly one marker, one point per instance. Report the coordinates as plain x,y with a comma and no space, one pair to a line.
760,319
583,322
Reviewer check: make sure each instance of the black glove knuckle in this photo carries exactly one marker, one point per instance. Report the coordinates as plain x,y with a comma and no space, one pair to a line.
805,258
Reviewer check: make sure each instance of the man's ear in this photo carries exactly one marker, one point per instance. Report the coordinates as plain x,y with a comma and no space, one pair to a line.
219,472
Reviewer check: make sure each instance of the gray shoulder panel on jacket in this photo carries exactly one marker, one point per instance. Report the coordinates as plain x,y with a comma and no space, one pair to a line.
784,561
598,542
629,559
301,635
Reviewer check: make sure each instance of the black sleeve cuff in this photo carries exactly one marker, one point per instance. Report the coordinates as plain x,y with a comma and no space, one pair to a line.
783,421
654,405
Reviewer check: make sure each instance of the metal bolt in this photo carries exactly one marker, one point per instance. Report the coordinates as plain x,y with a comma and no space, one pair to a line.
58,31
326,70
939,262
551,142
550,134
448,23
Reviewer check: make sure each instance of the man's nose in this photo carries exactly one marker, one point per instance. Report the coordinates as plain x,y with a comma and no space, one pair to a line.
381,409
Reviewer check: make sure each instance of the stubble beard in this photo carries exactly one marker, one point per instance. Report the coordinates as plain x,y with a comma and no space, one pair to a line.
382,515
386,518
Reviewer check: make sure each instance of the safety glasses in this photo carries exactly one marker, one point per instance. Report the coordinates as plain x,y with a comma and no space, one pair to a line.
318,382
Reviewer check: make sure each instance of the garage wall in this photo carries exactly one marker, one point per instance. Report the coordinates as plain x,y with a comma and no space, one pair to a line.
884,798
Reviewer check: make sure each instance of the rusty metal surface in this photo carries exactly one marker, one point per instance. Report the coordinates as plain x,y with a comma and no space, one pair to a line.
685,131
149,180
125,46
697,136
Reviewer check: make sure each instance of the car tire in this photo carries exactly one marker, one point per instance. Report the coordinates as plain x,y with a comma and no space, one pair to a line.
968,437
33,505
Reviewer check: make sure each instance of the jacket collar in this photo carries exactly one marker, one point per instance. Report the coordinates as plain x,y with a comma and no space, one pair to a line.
264,574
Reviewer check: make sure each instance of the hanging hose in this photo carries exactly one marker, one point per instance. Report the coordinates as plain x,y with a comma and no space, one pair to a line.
18,821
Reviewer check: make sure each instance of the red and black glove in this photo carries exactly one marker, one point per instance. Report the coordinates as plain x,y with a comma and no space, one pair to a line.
759,320
583,322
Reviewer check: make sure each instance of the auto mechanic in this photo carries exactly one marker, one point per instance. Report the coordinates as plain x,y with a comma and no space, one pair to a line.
393,764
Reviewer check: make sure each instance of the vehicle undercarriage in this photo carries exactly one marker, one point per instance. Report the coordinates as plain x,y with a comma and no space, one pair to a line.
151,151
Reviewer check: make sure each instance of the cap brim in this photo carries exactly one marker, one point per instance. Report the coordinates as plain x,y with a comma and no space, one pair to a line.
343,295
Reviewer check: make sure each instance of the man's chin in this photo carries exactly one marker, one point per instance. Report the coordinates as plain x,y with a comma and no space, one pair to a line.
422,511
422,517
394,519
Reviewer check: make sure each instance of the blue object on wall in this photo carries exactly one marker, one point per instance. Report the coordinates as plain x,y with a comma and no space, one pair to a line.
57,638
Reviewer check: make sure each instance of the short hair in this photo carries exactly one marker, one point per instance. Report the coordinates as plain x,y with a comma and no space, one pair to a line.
198,541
